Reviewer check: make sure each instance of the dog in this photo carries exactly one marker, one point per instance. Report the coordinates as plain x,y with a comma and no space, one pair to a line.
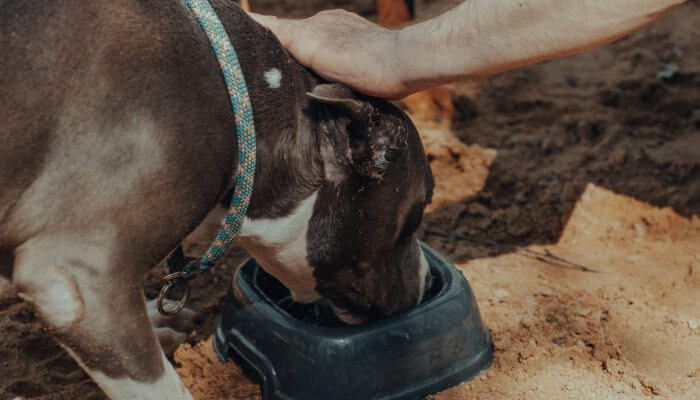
117,140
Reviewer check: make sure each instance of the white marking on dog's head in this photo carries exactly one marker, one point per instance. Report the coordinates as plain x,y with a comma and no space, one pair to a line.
273,77
279,245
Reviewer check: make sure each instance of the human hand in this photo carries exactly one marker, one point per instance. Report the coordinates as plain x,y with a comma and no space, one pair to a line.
344,47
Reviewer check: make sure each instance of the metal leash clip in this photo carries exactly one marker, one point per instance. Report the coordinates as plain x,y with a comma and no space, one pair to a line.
169,282
181,272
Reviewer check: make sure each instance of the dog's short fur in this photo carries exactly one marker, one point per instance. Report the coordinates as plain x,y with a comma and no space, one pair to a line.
116,141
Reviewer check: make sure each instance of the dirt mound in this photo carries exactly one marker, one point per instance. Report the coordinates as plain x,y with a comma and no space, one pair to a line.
604,116
460,171
208,378
626,331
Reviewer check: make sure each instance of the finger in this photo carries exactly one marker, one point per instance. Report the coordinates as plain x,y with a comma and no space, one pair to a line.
282,28
293,35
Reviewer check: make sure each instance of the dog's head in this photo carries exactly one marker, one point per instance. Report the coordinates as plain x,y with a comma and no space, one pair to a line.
361,236
351,244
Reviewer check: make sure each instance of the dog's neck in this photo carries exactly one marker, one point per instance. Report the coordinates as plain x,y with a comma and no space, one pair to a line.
288,164
289,168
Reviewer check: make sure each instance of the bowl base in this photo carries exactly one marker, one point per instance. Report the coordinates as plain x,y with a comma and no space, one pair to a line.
438,344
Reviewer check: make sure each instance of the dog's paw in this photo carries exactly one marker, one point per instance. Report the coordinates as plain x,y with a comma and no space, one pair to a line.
170,339
171,330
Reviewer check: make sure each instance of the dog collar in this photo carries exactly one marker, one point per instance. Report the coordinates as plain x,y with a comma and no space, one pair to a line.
245,132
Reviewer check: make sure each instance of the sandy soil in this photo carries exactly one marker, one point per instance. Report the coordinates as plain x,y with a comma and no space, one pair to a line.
626,331
514,169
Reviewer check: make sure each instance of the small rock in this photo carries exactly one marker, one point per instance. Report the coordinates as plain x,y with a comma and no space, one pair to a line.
692,324
512,212
619,156
478,209
584,311
518,229
501,293
618,387
483,223
559,340
677,52
668,71
694,374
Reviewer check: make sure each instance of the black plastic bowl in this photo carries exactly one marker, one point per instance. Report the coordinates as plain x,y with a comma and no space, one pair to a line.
301,353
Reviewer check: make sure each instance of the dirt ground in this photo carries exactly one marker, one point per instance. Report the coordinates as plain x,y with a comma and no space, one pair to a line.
595,158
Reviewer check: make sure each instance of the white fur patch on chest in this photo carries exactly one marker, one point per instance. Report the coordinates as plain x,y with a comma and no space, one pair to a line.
279,245
273,77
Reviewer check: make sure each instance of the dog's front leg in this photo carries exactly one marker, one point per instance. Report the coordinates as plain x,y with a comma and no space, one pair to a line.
92,301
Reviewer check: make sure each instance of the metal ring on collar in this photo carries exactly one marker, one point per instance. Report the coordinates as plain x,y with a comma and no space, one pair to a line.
171,281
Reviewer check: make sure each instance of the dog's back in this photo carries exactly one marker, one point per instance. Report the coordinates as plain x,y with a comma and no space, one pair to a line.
29,92
89,89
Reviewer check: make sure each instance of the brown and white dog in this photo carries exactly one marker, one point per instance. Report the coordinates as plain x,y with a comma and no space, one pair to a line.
116,142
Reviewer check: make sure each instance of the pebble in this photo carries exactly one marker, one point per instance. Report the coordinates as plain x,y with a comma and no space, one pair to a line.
478,209
677,52
584,312
668,71
692,324
501,293
618,387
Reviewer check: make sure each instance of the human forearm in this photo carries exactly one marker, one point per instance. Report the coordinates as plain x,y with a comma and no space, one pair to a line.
483,37
477,38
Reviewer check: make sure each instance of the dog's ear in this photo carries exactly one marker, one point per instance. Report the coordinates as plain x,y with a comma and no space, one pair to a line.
364,131
340,96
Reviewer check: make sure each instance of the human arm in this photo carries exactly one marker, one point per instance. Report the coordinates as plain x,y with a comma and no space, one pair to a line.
476,38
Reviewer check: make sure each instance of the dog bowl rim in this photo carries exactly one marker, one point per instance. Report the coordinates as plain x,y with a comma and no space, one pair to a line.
435,261
232,342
